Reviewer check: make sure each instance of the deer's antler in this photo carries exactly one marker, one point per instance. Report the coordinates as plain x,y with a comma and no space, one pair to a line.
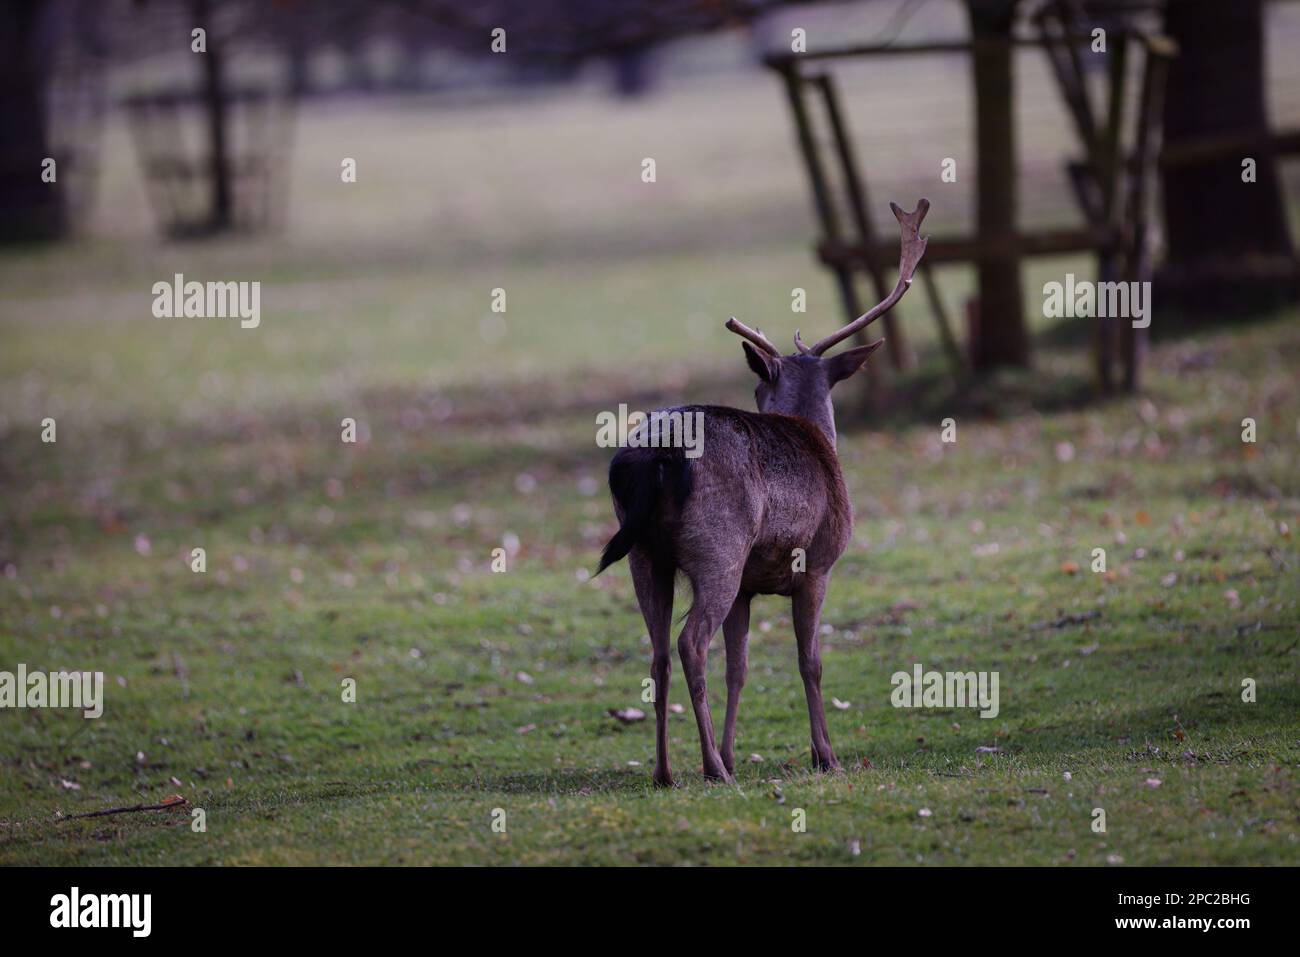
912,251
753,335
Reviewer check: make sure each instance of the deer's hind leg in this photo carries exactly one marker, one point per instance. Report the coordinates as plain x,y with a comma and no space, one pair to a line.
735,631
807,608
713,600
654,593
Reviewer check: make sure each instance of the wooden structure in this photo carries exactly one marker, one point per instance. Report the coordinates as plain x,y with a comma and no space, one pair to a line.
1110,185
180,151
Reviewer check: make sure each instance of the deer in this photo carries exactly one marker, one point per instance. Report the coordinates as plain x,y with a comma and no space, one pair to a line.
735,522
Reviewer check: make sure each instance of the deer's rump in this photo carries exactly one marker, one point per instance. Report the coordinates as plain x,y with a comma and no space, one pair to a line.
763,486
644,483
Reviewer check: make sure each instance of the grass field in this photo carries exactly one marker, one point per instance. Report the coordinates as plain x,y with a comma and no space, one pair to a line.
479,691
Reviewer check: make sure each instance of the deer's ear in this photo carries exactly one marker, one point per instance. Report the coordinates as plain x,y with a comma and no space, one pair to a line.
765,367
846,363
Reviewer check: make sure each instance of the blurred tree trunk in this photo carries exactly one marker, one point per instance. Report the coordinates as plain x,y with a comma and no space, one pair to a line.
634,71
33,209
222,210
298,59
1228,244
1001,338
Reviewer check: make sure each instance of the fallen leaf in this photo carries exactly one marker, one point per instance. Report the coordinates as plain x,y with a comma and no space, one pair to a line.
1070,568
1153,782
924,812
525,729
627,715
70,785
841,705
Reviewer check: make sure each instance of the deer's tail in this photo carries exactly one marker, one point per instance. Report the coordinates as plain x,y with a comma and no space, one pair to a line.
640,480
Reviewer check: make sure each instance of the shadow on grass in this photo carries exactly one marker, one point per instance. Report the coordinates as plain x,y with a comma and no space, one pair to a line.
1217,729
561,781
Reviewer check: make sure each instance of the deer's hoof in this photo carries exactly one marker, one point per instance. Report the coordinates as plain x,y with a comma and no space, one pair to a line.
664,780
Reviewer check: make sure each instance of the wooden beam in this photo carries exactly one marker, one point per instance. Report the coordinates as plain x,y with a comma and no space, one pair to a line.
973,249
1285,143
782,60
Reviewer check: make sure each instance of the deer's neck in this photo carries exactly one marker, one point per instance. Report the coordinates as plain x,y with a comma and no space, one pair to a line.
823,418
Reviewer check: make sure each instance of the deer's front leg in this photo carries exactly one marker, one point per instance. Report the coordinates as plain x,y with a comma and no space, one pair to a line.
735,631
807,607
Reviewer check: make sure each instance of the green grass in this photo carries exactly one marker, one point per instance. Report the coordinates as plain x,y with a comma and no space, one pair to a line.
372,561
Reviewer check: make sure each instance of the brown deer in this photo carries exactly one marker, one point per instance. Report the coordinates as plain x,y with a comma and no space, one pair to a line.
736,520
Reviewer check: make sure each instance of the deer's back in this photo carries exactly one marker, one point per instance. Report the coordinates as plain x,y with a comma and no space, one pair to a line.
764,486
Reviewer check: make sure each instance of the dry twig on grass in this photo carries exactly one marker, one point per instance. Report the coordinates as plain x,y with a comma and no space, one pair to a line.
172,802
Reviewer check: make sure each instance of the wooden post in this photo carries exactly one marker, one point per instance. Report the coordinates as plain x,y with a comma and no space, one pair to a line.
1003,338
1138,268
1112,210
1230,249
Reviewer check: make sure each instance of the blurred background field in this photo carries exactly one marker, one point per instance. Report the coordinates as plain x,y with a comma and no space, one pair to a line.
388,280
478,690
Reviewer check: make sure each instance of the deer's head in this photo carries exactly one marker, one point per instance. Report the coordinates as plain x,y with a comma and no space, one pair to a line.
800,383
